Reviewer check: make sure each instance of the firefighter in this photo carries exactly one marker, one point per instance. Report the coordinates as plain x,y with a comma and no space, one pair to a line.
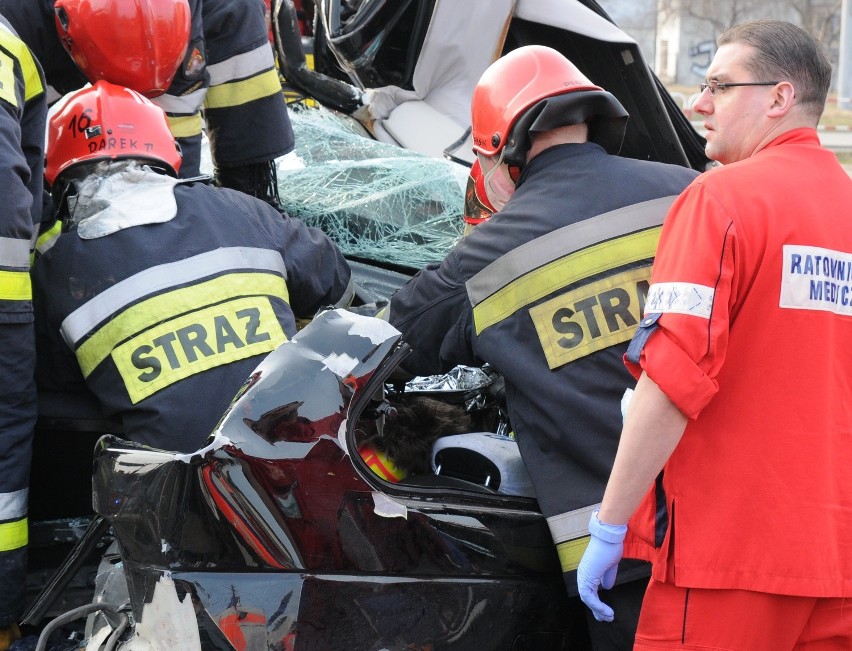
161,295
550,288
23,111
214,54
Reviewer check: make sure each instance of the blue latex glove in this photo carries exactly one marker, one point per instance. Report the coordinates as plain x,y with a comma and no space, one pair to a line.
600,564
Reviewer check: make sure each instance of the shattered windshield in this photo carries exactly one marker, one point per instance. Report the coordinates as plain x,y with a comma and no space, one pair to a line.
377,201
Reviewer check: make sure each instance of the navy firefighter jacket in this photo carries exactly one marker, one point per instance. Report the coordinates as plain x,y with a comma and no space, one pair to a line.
23,111
549,292
164,321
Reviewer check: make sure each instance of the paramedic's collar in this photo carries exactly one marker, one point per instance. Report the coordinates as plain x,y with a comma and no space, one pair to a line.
800,136
122,194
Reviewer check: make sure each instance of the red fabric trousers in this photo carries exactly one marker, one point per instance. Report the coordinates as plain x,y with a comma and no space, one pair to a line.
741,620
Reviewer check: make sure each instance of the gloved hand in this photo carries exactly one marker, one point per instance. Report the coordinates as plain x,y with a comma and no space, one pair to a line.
600,564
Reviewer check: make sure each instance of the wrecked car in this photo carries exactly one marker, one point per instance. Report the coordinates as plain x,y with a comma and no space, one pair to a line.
278,534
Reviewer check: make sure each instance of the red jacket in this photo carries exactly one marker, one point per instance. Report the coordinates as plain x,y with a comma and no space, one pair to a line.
752,286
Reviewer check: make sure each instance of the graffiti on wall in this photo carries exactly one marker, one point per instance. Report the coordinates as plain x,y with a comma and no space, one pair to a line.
702,55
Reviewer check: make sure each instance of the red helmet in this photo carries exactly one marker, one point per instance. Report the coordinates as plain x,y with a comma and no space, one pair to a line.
540,85
108,122
477,207
133,43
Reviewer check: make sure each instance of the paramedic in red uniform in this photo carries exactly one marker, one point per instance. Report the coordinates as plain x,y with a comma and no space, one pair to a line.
744,398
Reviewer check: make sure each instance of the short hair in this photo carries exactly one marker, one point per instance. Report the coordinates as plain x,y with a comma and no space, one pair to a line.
785,52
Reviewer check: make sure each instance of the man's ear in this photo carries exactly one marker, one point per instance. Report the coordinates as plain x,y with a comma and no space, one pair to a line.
784,98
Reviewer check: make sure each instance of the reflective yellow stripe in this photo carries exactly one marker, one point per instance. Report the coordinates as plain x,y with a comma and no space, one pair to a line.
197,342
32,80
15,286
13,535
48,238
185,126
565,241
564,272
591,317
571,552
7,79
50,233
570,533
241,92
149,282
171,304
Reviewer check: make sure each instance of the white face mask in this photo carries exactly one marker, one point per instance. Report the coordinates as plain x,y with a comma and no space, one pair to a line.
499,185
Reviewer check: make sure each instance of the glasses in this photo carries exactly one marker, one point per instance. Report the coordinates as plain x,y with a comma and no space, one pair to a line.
720,86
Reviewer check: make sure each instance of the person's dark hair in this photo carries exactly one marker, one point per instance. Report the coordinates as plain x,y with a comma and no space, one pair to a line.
785,52
418,423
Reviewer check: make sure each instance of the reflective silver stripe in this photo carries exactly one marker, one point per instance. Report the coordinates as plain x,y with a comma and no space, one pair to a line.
152,281
564,241
348,295
15,252
571,525
680,298
181,104
241,66
13,505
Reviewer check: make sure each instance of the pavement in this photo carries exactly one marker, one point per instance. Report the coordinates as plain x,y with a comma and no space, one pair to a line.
839,139
836,138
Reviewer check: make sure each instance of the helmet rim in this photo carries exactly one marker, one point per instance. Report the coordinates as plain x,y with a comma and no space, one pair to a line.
519,81
108,122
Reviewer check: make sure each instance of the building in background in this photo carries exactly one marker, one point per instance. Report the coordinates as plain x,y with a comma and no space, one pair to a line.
844,69
638,18
678,37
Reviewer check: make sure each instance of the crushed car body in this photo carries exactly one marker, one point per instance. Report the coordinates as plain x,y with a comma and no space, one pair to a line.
276,532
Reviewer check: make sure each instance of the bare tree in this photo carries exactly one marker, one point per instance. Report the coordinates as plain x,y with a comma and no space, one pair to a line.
819,17
822,19
721,14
